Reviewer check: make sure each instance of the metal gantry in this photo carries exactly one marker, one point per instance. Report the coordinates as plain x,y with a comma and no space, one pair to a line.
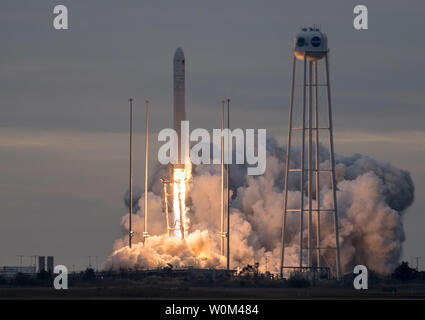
168,184
309,169
165,183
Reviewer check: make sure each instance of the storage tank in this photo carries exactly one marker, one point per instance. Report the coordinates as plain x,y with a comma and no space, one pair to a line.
311,43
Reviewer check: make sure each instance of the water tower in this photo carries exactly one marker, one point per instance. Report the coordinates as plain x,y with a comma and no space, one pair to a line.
310,121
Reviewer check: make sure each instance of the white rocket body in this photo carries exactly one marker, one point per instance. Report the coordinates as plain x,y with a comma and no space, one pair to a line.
179,97
178,170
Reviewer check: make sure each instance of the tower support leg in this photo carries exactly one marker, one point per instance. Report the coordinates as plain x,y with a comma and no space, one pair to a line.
302,191
317,165
288,155
332,164
310,165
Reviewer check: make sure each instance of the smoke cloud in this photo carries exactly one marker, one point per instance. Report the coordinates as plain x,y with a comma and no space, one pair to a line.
372,198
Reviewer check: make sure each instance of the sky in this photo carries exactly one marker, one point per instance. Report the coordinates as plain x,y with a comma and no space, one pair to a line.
64,101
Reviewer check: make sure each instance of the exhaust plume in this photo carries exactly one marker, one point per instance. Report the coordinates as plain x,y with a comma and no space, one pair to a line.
372,198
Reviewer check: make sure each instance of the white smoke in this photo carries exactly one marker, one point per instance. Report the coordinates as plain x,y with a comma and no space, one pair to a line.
371,199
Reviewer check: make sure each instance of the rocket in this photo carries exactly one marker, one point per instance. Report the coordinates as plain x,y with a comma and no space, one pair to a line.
179,98
178,170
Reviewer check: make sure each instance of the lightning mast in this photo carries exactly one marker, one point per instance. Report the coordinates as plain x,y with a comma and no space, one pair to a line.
229,157
222,234
145,233
130,230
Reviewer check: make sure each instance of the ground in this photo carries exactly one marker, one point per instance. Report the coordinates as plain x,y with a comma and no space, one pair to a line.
155,292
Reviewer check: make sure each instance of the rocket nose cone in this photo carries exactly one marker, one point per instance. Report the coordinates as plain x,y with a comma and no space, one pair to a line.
178,55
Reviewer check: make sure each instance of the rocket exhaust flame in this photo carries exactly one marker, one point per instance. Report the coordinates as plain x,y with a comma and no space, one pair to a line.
179,202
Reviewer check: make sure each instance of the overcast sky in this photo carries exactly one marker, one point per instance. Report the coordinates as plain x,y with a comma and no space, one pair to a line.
64,112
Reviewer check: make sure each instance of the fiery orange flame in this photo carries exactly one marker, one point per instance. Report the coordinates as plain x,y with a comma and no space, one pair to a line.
179,206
